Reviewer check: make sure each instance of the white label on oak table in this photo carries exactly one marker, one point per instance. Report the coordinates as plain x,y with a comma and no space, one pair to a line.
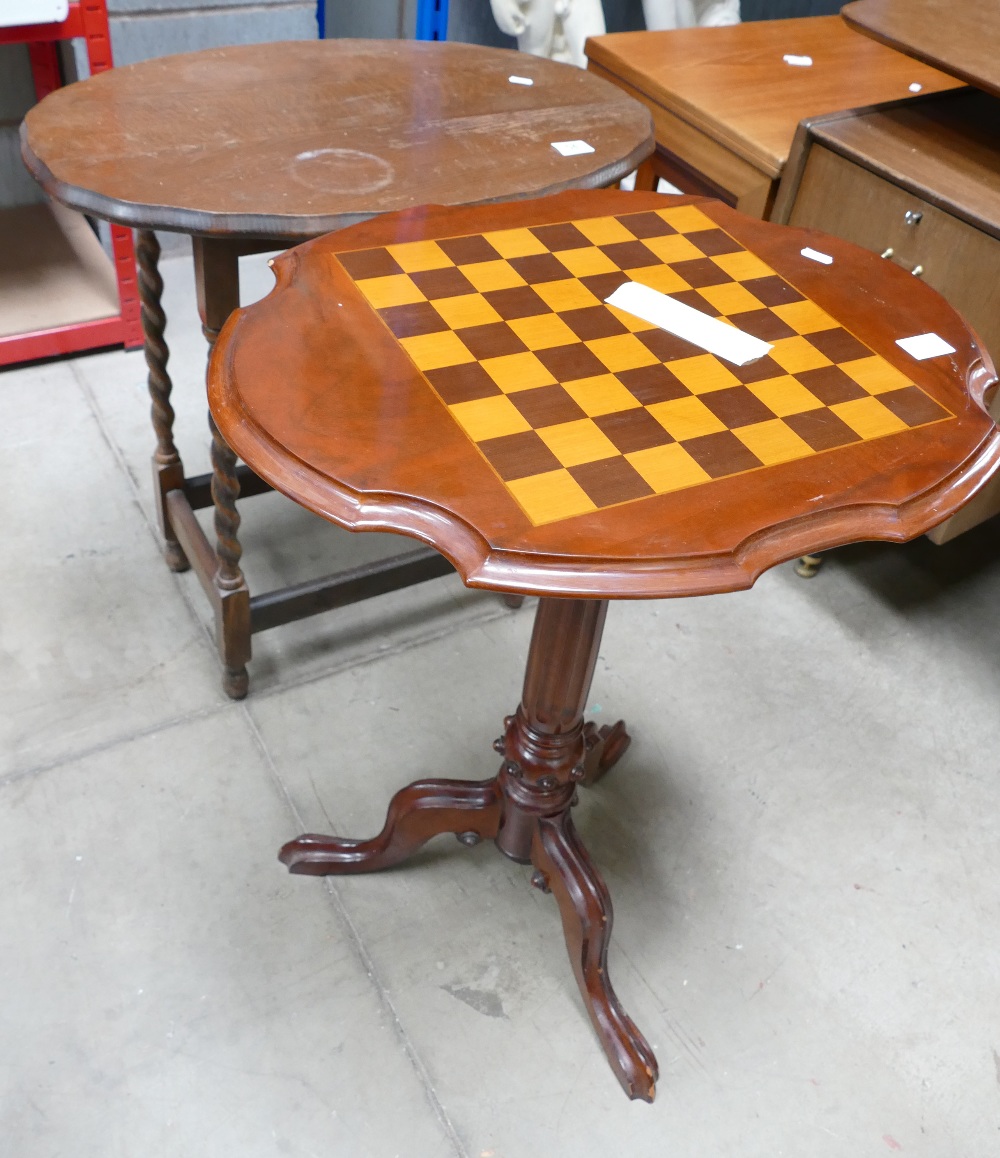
572,148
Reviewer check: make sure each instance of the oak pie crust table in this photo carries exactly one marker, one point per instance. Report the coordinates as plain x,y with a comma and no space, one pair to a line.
454,375
258,147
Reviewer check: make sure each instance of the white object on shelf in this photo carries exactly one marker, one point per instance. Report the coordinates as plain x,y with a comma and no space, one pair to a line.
15,12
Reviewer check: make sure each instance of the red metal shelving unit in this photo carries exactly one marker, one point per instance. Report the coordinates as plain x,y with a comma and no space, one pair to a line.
88,21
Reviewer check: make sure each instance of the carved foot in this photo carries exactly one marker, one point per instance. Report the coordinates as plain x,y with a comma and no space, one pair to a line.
175,557
585,907
513,601
416,813
235,682
605,747
808,565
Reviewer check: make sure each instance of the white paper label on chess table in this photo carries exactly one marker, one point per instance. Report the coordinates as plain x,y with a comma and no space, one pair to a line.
572,148
520,80
922,346
815,255
798,61
688,323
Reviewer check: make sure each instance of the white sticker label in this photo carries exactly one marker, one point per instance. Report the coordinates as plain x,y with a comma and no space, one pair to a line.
922,346
815,255
916,87
572,148
686,322
520,80
798,61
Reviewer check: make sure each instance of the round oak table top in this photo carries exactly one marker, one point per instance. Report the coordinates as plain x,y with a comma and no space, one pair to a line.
455,375
294,139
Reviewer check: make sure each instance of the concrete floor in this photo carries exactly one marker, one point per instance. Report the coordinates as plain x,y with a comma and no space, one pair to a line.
801,845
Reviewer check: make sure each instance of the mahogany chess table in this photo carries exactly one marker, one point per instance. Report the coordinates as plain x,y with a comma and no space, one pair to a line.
454,374
258,147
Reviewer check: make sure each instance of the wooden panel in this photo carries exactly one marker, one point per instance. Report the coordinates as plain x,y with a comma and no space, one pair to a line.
959,38
732,84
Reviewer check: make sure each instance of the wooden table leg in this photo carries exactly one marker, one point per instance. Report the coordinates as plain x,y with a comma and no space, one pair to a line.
526,810
217,279
168,470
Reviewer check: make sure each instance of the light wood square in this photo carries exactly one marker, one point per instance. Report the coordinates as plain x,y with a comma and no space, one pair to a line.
875,375
796,355
804,317
492,275
622,352
659,277
432,351
545,498
743,266
515,242
702,373
773,442
577,442
730,298
668,468
586,262
466,310
868,417
394,290
784,396
673,247
417,256
489,417
603,394
565,295
687,218
686,418
513,372
604,231
543,331
630,321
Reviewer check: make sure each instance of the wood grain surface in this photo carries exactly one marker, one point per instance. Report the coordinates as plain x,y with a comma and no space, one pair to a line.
314,390
733,85
960,38
292,140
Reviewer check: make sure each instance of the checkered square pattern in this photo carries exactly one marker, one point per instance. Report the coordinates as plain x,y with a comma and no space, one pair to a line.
579,406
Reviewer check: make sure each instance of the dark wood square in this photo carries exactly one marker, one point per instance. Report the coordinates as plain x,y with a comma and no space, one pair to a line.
364,263
758,371
593,322
468,250
546,406
442,283
694,299
762,324
721,454
646,224
603,285
568,363
822,429
839,345
773,291
462,383
611,481
539,267
649,384
491,341
668,347
418,318
913,406
633,430
713,241
699,272
519,301
630,254
737,407
560,237
830,385
519,455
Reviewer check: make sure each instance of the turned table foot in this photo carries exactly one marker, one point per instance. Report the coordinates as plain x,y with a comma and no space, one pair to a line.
525,810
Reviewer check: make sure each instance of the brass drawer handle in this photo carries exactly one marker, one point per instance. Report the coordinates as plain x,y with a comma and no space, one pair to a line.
887,252
913,217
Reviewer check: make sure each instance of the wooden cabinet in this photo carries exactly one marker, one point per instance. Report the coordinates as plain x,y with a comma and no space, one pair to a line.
917,182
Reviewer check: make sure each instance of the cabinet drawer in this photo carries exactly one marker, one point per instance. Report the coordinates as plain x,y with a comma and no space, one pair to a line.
961,262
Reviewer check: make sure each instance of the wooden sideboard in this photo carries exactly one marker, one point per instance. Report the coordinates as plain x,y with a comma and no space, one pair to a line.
917,181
